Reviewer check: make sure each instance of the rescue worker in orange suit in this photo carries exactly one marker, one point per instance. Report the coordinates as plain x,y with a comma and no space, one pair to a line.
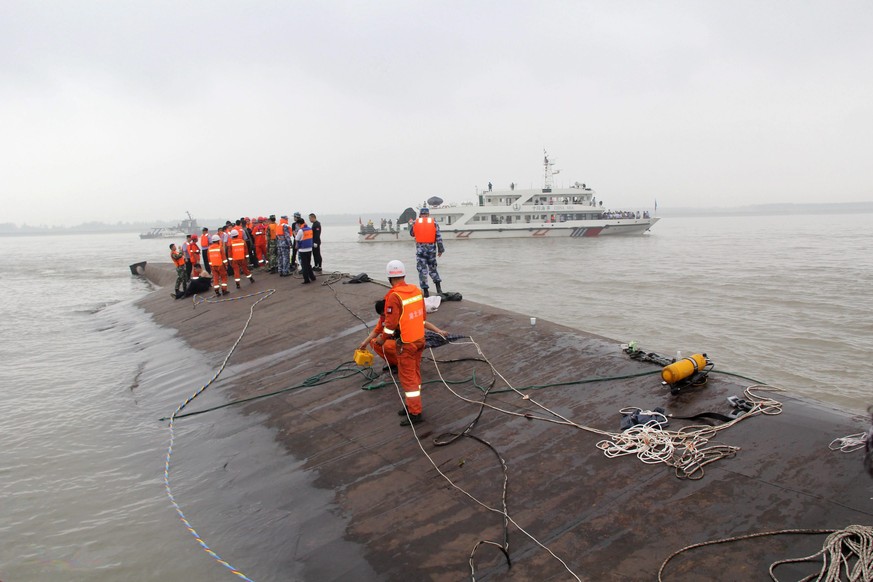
239,256
259,232
194,253
204,245
388,350
179,260
218,262
404,322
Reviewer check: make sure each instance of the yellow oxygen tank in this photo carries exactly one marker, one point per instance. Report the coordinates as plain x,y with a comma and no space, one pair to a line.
363,358
683,368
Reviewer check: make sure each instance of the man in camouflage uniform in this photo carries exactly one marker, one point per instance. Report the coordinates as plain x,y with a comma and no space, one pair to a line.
272,248
428,246
284,248
179,261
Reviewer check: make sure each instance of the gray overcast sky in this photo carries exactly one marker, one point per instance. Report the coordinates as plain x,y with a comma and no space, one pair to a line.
141,110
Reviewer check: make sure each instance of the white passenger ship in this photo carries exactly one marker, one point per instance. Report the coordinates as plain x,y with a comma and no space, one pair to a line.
575,212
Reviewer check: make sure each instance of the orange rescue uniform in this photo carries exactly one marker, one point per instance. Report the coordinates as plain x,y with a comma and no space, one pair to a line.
260,234
194,251
404,311
240,259
388,350
218,262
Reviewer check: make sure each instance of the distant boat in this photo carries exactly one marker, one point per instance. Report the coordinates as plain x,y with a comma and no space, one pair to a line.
184,228
531,213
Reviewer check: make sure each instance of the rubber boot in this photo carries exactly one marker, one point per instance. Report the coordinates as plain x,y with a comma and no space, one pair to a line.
425,292
412,419
251,279
237,285
439,290
217,293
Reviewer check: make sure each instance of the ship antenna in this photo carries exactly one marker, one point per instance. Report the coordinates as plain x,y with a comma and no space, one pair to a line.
547,164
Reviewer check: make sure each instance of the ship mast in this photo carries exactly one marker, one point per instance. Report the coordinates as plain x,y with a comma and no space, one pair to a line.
547,164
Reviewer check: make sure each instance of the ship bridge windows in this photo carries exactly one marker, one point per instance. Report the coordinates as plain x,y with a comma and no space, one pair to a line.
449,219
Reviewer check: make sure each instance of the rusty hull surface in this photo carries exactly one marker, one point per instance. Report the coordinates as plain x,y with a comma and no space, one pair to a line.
608,519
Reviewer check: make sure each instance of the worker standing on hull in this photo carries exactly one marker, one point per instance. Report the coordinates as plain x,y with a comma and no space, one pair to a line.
315,225
404,322
303,243
284,247
272,248
194,252
428,246
239,256
218,262
294,246
204,248
179,261
260,236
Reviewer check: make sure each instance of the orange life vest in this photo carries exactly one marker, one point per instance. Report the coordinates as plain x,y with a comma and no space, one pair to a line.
204,241
412,312
194,251
216,254
180,261
305,242
272,228
238,249
425,230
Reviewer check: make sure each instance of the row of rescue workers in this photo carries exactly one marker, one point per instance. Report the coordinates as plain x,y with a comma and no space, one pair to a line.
400,336
238,248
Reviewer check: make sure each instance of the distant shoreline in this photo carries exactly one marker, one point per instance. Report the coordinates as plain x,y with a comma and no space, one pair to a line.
772,210
12,229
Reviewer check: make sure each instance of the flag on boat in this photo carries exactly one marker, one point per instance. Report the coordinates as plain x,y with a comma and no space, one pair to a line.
656,203
362,224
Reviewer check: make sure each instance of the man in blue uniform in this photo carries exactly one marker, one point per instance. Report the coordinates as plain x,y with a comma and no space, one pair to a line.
428,246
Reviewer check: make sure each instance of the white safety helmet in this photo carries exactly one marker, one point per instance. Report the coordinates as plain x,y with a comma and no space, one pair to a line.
234,232
215,238
395,269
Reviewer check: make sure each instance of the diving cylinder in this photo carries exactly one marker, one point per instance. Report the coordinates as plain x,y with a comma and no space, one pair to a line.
683,368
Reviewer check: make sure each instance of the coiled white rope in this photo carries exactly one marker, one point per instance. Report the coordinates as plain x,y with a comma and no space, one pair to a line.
850,443
688,449
849,549
685,450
